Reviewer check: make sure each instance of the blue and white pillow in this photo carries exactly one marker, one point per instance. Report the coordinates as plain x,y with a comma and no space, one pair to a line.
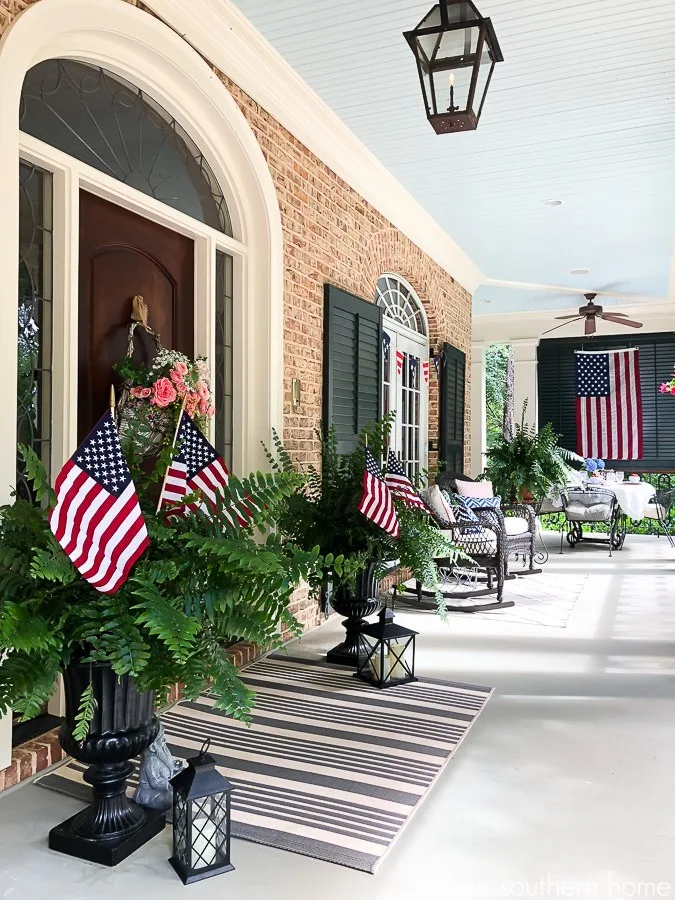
482,502
463,512
485,503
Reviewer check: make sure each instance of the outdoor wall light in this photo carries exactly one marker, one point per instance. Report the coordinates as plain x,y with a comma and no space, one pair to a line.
456,51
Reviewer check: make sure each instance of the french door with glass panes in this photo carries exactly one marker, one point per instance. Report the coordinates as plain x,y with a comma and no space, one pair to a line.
405,391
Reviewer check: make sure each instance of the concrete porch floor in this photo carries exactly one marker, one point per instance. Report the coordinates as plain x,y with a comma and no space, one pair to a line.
564,787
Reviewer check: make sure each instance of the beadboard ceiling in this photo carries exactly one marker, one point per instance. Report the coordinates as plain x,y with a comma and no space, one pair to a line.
581,110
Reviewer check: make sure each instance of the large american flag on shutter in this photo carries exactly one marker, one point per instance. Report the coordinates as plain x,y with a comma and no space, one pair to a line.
97,518
609,404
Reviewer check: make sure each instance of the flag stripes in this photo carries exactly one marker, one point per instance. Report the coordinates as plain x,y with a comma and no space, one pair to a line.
609,405
97,518
376,502
196,467
400,485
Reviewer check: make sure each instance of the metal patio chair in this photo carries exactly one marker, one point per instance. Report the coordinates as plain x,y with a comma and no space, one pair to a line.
596,506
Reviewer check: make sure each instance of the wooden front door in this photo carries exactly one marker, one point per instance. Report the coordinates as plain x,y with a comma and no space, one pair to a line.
123,254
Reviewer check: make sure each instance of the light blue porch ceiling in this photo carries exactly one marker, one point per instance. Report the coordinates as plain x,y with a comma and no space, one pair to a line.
582,110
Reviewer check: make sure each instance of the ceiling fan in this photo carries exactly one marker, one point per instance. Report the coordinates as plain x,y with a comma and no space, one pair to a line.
590,313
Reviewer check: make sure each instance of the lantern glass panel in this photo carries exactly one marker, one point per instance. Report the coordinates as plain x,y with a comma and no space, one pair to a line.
386,659
486,67
180,830
209,831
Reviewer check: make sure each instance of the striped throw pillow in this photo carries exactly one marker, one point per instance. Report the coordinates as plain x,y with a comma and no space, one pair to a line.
463,512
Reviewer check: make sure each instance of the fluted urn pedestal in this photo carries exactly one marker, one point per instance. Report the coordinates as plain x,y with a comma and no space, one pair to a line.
356,603
124,725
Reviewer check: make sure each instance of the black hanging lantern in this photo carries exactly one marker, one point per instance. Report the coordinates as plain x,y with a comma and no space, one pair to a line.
387,652
201,820
456,51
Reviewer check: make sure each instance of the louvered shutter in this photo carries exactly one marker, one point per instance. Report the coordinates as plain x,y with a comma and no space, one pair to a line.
352,364
453,387
557,396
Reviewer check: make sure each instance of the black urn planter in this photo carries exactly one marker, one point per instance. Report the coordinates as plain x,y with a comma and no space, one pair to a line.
356,603
124,725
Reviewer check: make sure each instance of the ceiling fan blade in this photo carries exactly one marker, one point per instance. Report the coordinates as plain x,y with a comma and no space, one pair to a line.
610,317
577,316
557,327
611,312
590,326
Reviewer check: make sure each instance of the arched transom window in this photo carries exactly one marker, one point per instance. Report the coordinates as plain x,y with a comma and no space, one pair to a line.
405,370
400,303
102,120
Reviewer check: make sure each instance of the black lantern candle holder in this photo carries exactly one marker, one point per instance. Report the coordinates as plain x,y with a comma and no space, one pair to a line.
387,652
201,820
456,50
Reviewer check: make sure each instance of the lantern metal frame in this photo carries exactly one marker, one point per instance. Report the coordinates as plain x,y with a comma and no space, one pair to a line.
200,782
454,118
386,633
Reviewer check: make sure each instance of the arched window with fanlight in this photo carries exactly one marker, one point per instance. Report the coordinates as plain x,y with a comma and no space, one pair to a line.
405,370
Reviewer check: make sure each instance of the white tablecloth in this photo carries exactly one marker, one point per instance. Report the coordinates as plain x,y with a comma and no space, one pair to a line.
632,498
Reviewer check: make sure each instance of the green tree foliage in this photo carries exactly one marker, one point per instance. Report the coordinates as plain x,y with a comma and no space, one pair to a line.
202,581
496,357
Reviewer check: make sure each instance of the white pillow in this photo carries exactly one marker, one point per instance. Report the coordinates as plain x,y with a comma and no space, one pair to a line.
474,488
441,508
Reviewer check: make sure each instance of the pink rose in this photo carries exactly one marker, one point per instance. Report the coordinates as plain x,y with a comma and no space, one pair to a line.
203,390
163,392
140,392
181,368
181,388
211,411
175,376
203,406
664,389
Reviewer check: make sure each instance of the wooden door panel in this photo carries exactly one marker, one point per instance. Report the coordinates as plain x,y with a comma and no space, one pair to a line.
122,254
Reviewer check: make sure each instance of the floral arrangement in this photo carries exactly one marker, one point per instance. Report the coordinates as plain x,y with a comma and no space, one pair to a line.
156,392
593,466
668,387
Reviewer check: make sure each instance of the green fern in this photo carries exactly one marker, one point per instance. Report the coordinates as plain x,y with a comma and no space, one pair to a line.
85,714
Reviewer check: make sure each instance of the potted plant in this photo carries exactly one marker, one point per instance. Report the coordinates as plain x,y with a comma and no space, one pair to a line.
324,512
203,580
529,464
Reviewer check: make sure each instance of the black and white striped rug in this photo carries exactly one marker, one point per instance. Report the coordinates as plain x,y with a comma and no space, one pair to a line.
331,767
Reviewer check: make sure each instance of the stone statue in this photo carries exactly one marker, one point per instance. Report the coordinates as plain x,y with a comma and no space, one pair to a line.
157,767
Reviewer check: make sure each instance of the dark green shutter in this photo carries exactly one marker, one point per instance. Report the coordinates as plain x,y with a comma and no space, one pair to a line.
352,364
453,387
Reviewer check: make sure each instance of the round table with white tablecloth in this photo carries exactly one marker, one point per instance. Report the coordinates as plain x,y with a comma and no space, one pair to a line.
632,497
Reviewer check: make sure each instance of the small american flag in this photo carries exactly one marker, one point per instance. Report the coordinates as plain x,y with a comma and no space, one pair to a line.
400,485
97,518
425,371
609,405
196,467
377,503
399,361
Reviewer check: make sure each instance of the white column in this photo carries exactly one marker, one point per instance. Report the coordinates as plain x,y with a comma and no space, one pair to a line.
5,740
478,409
525,379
